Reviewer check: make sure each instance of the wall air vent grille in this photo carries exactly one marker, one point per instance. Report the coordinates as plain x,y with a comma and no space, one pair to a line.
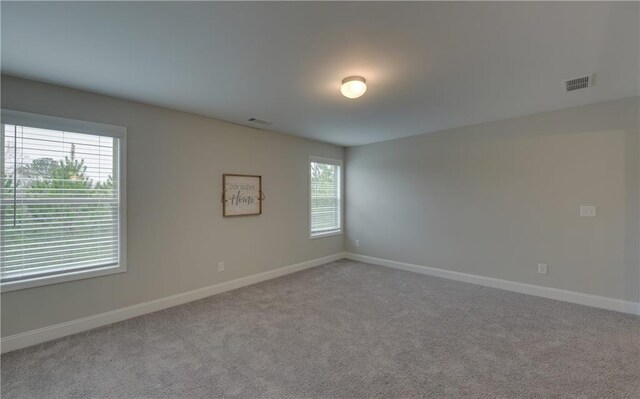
578,83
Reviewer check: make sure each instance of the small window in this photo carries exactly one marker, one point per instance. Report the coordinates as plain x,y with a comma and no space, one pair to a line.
62,200
325,192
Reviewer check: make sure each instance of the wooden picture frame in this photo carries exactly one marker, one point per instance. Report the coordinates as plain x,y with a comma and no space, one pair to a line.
241,195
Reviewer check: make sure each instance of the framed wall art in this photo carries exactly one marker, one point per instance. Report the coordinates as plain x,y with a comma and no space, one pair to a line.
241,195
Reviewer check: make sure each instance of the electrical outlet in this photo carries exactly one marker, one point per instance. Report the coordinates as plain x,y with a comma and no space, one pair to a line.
542,268
588,211
357,243
220,266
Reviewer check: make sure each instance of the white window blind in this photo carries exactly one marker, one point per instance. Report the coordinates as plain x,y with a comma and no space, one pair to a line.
60,203
325,196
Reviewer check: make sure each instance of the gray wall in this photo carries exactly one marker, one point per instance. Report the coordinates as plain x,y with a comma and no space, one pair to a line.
497,199
492,200
176,234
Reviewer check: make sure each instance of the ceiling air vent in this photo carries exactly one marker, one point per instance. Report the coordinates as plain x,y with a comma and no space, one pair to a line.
578,83
260,121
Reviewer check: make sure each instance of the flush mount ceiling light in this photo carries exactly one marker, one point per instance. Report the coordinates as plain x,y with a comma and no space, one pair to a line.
353,86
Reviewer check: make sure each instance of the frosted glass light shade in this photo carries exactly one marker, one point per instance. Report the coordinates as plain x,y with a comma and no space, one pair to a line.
353,86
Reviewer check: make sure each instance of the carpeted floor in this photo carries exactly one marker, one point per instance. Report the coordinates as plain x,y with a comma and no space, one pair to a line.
344,330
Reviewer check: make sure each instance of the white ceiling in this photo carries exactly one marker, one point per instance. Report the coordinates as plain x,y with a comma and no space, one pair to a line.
429,66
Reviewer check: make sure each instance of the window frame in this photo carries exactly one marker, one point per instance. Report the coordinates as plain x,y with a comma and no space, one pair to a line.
19,118
338,163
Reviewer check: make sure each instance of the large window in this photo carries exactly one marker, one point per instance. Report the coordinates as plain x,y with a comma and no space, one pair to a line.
326,204
62,200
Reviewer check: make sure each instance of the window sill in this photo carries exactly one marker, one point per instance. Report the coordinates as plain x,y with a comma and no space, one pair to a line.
62,278
313,236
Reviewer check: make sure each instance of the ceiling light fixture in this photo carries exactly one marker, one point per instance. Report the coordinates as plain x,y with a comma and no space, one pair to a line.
353,86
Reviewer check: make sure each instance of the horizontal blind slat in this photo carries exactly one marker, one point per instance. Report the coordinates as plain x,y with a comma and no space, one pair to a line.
10,229
72,242
40,233
88,265
61,264
65,214
34,262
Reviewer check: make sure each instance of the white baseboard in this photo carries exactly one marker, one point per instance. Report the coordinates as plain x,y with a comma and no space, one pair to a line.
33,337
537,290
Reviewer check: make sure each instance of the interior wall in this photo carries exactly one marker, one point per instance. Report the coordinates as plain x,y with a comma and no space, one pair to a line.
176,234
497,199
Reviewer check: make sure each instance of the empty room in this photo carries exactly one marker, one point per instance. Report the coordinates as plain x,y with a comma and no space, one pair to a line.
320,200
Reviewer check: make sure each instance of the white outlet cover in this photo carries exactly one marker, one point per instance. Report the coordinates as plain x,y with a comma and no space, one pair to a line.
542,268
221,266
587,211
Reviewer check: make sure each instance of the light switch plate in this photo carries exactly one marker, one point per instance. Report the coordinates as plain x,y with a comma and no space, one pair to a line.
587,211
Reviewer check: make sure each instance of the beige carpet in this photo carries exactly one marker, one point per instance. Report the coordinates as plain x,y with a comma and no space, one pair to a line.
344,330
